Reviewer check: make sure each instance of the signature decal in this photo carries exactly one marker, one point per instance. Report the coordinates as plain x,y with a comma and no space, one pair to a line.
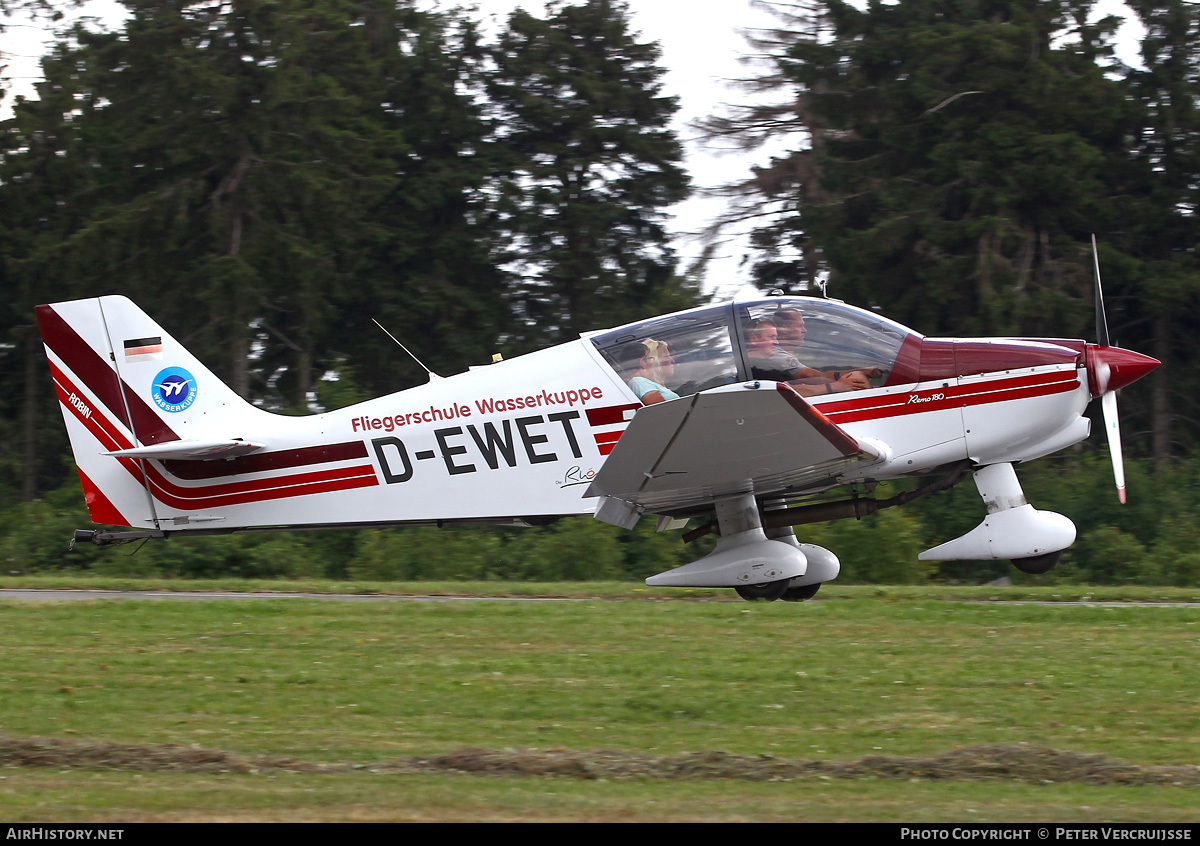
577,476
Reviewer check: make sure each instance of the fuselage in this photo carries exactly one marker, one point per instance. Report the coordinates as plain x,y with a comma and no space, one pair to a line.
520,440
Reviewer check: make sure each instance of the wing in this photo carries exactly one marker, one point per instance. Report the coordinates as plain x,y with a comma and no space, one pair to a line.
758,436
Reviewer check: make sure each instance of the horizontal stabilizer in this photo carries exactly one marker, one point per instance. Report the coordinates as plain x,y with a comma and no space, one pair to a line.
190,450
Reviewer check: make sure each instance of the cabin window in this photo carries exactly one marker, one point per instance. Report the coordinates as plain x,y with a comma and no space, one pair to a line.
699,341
824,335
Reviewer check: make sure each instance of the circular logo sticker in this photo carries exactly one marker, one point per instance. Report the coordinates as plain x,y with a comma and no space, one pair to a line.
174,389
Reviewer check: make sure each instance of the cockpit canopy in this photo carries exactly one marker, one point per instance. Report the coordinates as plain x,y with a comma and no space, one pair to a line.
710,345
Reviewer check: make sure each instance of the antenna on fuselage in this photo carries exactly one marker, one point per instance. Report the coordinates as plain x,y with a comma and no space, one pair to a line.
433,377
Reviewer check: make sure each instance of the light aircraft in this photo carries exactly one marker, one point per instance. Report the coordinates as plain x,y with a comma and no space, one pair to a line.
164,448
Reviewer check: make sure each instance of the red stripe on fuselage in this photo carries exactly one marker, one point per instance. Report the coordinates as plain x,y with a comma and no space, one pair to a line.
326,481
610,415
263,462
952,396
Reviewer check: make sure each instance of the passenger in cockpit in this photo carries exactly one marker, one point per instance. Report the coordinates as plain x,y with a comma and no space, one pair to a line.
769,360
647,366
789,325
790,330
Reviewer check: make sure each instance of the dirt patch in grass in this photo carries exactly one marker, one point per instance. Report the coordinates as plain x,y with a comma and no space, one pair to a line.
1009,762
68,754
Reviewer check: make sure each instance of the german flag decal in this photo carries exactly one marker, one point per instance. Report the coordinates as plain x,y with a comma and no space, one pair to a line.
143,349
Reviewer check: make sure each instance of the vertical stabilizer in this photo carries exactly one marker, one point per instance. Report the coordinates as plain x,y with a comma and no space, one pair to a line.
124,383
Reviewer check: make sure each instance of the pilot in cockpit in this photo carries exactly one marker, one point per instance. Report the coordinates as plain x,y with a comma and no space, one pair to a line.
768,359
647,366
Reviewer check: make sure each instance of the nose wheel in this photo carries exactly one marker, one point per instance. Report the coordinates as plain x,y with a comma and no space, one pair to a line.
1038,564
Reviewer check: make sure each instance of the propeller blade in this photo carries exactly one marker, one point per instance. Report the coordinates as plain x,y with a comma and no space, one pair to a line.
1101,318
1112,427
1108,400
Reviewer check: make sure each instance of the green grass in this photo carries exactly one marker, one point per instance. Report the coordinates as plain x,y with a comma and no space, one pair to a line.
865,672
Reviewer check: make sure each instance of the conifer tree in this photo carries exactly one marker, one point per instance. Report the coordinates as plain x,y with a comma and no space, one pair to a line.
965,151
593,165
1162,288
270,176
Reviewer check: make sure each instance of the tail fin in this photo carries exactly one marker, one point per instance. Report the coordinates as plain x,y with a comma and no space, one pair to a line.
130,390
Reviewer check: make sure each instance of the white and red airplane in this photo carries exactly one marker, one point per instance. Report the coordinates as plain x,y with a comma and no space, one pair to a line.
747,438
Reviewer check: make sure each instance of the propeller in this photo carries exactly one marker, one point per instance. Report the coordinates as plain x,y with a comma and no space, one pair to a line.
1108,400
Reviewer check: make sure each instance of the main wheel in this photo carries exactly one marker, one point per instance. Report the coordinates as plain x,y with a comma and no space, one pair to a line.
1038,564
765,592
799,594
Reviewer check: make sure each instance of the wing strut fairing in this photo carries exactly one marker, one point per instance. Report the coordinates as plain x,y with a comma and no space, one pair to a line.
1012,529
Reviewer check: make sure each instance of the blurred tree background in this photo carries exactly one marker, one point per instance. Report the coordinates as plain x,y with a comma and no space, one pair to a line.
267,177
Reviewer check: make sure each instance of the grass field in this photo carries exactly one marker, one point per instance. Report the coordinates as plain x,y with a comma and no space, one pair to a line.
866,704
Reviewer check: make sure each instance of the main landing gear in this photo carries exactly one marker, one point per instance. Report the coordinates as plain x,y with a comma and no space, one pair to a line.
762,565
771,591
765,592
